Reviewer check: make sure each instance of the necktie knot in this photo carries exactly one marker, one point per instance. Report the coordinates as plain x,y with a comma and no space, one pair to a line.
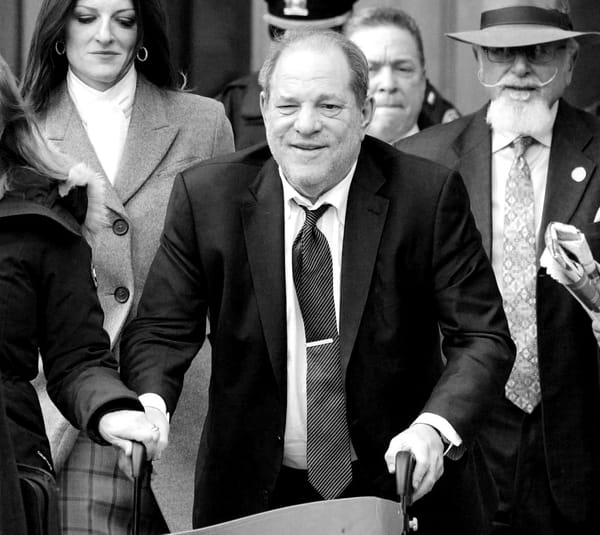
312,216
521,144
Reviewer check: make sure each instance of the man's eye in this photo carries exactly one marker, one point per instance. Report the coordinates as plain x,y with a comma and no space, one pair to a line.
287,109
330,110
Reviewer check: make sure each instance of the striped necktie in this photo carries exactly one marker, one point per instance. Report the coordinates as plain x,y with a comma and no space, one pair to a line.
328,440
519,279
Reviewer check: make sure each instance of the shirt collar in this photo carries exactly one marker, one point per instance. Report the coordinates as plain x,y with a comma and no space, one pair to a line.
501,140
336,196
120,95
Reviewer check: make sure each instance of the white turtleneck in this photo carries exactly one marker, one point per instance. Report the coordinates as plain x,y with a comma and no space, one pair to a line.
105,116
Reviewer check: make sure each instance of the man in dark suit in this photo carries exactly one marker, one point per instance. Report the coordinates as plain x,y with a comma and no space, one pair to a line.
543,453
327,274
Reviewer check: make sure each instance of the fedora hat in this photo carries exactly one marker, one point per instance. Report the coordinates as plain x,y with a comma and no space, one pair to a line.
514,23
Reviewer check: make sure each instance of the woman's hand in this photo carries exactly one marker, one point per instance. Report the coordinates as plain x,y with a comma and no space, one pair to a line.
120,428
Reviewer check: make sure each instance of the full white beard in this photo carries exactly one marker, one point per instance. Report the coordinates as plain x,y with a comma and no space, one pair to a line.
530,117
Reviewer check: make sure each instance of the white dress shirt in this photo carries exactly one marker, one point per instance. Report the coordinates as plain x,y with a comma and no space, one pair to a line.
105,116
538,158
331,224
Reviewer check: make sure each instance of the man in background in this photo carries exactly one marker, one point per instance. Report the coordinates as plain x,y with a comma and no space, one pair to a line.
528,158
405,101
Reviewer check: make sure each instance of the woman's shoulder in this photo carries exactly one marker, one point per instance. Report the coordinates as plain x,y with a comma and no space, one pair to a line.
31,194
73,203
183,104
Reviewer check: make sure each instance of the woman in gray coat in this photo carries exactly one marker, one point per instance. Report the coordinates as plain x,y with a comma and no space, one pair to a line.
100,79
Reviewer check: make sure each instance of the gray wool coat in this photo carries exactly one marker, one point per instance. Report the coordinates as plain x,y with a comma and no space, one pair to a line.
168,132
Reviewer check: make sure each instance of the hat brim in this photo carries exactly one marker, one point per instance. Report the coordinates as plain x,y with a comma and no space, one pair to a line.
511,35
302,24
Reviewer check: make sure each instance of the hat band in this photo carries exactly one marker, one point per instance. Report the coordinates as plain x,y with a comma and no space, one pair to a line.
525,15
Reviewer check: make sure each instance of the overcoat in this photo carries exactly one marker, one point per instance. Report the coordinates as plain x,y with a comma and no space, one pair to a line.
168,132
49,307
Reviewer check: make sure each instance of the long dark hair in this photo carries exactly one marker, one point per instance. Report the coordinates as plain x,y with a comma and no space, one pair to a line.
46,69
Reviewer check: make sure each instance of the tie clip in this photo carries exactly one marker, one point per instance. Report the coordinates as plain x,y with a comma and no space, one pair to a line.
319,342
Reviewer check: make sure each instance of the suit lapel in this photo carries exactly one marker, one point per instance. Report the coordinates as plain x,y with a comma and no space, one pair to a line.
563,194
474,148
365,218
262,220
63,127
148,139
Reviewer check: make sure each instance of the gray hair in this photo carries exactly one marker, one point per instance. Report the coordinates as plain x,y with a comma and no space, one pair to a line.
374,17
319,40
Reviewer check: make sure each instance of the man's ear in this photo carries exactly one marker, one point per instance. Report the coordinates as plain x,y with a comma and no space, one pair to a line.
367,111
263,104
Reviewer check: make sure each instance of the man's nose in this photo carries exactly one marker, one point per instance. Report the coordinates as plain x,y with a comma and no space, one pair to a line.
520,65
308,120
385,80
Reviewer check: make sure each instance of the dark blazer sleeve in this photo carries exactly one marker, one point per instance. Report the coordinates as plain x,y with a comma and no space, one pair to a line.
476,341
159,344
81,372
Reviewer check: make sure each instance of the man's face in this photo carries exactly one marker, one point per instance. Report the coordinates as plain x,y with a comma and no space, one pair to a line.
314,124
521,75
396,79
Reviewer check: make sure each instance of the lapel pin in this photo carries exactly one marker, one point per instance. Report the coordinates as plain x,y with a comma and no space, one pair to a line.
578,174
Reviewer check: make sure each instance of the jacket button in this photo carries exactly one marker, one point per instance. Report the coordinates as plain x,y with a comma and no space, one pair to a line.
121,294
120,227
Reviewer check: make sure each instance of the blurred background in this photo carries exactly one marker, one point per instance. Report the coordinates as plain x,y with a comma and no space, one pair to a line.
216,41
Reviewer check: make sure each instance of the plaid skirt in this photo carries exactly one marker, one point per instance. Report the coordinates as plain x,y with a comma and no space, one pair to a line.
97,499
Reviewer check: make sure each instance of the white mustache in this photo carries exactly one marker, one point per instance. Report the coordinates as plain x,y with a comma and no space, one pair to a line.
538,85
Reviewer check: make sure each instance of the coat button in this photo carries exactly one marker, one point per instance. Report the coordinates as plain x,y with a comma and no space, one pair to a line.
120,227
121,294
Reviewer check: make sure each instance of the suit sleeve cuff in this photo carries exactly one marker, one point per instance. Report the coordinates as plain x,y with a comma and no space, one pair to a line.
154,400
450,438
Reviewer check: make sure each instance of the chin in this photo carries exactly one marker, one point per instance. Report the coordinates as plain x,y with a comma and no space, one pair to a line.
388,128
527,116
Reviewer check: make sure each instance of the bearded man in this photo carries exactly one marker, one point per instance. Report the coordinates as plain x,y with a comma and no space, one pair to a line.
529,158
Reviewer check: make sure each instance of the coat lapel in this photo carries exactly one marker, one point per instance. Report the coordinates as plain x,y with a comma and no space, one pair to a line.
365,219
148,139
563,194
63,127
262,220
474,148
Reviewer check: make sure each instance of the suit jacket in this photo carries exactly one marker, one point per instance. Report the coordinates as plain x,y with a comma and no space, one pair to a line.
567,350
411,258
168,132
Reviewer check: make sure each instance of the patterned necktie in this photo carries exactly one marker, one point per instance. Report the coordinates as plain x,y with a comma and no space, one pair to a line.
519,280
328,439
